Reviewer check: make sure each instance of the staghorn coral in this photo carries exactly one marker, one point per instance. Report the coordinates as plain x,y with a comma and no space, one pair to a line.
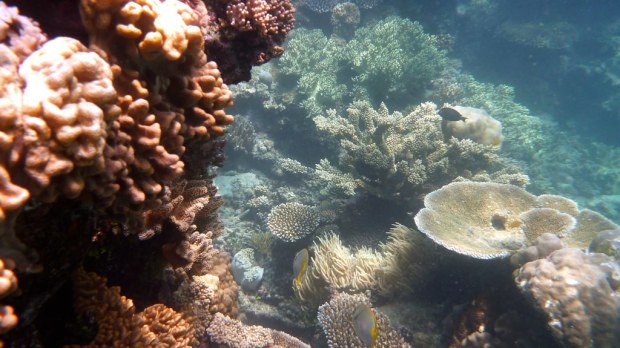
292,221
335,317
396,155
542,35
490,220
233,333
395,55
118,323
576,293
390,61
189,205
323,6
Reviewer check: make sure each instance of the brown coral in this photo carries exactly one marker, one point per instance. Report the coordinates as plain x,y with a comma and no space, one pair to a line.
574,291
8,284
246,33
204,295
118,323
68,101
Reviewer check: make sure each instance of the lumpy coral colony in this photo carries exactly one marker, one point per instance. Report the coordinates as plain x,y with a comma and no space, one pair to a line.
108,125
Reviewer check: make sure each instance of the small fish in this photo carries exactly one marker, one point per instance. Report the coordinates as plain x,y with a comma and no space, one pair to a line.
451,114
300,263
365,325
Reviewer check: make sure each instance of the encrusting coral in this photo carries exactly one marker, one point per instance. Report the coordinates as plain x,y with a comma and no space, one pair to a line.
491,220
336,319
233,333
578,293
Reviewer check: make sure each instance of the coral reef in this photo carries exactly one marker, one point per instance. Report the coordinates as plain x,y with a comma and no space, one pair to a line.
336,319
323,6
542,35
578,295
490,220
292,221
94,143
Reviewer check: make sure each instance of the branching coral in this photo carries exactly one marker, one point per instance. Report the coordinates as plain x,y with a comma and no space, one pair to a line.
390,61
336,319
395,155
490,220
202,295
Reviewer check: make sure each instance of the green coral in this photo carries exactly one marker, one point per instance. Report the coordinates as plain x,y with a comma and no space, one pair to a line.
384,62
395,56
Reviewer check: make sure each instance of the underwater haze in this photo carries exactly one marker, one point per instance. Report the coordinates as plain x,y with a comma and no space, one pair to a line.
310,173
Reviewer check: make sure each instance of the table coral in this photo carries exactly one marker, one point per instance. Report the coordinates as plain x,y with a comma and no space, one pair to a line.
490,220
575,293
